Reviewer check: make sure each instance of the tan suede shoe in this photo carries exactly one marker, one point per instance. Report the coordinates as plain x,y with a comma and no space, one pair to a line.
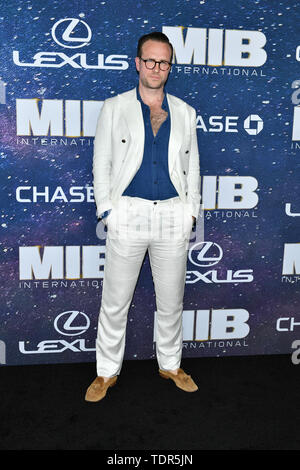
97,390
182,380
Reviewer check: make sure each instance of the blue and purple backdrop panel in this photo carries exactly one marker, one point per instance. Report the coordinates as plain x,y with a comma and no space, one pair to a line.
237,63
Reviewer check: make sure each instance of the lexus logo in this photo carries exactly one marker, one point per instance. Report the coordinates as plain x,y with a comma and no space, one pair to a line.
205,254
72,323
71,33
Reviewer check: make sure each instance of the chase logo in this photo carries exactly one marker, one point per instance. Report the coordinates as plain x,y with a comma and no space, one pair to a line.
253,124
72,33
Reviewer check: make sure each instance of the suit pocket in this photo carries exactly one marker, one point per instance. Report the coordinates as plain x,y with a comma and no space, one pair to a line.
189,221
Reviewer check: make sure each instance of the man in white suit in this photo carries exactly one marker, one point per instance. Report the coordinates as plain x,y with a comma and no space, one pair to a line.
147,193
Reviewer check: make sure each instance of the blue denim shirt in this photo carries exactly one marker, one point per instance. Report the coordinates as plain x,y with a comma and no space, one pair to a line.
152,180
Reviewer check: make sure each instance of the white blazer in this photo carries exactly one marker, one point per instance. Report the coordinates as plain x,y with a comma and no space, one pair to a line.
119,148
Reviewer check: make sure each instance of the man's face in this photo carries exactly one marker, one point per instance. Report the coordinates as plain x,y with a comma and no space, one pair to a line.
154,78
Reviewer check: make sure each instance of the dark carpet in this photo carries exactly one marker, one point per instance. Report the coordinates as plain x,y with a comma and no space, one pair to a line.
243,403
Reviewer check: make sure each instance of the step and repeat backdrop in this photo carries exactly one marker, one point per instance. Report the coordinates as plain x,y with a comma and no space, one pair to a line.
237,63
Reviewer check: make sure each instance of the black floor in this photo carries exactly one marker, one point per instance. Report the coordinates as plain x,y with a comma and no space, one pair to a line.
243,403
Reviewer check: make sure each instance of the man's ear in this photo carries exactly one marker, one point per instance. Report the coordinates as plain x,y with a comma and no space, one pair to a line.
137,63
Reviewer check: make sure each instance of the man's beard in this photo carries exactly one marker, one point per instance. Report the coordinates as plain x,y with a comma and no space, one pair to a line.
154,85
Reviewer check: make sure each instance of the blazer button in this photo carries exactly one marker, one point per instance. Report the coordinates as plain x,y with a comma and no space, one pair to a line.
187,151
184,173
123,140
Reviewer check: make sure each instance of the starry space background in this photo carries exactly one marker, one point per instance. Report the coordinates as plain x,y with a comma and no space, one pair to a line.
255,242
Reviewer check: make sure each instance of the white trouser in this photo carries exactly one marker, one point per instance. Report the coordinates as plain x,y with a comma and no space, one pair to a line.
136,225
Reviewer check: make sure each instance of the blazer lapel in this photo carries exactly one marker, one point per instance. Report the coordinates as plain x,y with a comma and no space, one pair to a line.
176,133
132,112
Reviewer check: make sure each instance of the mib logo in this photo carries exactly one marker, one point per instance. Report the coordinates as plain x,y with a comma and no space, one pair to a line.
65,118
72,33
291,259
61,262
217,47
212,324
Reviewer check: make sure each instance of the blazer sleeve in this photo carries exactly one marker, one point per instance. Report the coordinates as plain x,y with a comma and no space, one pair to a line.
102,159
193,177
